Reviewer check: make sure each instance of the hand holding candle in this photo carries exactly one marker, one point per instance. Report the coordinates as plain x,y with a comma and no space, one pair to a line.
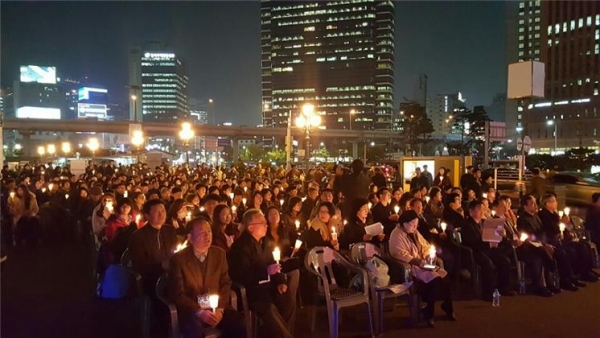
244,201
562,227
188,217
213,300
334,235
233,209
524,237
431,254
560,214
444,225
12,194
427,198
297,225
396,209
137,218
109,206
567,211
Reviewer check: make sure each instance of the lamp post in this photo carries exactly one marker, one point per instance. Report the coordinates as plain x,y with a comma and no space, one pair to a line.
51,149
186,134
550,123
352,112
66,148
137,139
307,120
134,99
93,145
41,150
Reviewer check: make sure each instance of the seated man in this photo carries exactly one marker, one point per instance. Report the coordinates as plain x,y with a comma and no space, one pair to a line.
495,265
197,272
151,246
253,266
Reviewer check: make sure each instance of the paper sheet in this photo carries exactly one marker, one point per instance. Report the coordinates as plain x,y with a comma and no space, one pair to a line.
398,288
374,229
491,228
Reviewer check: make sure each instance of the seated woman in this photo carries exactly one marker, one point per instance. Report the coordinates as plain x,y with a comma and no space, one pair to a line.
407,245
225,231
177,216
354,231
320,229
292,214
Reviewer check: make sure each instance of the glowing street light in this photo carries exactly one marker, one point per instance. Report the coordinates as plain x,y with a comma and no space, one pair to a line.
307,120
41,150
186,134
93,145
352,112
137,139
553,123
134,99
51,148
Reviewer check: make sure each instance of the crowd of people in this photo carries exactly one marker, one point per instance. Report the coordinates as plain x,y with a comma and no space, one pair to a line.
208,227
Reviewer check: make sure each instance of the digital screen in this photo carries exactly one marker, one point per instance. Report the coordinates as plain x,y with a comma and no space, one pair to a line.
39,74
38,113
409,166
91,110
86,92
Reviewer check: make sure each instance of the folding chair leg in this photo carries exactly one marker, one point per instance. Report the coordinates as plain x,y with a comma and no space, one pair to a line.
370,319
312,314
145,314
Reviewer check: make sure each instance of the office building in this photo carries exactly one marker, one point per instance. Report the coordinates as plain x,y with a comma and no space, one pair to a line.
441,110
36,94
565,36
336,55
163,88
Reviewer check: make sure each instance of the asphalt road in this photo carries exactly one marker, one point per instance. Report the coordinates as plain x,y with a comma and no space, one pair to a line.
48,292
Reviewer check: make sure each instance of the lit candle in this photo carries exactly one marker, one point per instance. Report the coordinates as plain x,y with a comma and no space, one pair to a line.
245,189
109,206
277,255
181,246
524,237
66,196
231,195
137,218
244,201
43,189
297,225
427,198
431,253
303,198
188,217
493,213
12,194
334,234
281,201
441,179
345,222
444,225
560,214
297,245
233,209
396,209
567,211
484,195
125,194
201,209
562,227
50,186
213,301
370,205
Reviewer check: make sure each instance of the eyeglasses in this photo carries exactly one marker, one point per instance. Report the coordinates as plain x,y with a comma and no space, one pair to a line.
259,223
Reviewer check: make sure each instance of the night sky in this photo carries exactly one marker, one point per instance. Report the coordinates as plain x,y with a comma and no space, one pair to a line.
460,45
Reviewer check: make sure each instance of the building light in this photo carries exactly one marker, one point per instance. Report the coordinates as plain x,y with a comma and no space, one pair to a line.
561,102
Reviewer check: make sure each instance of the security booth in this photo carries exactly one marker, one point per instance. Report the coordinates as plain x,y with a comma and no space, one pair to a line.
455,165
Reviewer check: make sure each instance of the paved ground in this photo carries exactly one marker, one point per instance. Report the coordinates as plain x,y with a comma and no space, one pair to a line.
47,292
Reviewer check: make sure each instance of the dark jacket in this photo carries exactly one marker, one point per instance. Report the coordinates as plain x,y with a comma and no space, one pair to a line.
471,235
353,233
355,186
381,214
531,225
592,223
148,248
248,262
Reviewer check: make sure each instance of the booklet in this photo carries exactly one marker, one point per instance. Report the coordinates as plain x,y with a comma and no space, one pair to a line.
492,227
374,229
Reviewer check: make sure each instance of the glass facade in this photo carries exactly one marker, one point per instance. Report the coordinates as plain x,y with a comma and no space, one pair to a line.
164,88
337,55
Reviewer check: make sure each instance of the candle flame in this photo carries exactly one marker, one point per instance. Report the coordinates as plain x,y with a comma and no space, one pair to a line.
181,246
562,227
444,225
396,209
567,211
524,237
432,252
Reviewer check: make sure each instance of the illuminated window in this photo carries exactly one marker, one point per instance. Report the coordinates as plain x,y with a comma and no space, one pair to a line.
572,24
309,29
589,20
580,22
557,28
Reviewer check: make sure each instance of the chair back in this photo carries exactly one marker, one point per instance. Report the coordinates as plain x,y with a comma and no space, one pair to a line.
363,251
125,259
161,294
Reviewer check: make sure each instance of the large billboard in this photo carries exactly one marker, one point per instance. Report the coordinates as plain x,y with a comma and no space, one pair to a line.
85,110
39,74
95,95
38,113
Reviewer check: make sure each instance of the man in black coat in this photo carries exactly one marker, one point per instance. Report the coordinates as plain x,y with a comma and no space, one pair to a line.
495,265
252,265
384,213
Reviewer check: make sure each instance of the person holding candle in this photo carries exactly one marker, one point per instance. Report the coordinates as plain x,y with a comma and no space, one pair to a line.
224,230
292,214
535,258
138,199
320,232
579,255
177,216
100,215
202,270
252,264
407,245
441,179
354,231
434,210
210,203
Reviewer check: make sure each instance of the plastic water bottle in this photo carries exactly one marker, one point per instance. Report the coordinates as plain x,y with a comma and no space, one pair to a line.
522,289
496,298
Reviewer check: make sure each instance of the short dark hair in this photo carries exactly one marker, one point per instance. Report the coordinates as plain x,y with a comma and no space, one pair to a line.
151,203
189,227
535,171
450,198
330,208
213,197
525,199
474,203
382,190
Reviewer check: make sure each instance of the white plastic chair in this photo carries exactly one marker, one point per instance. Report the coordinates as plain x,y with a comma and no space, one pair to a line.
320,263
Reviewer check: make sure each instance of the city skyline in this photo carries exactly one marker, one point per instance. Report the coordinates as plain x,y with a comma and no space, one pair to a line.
223,56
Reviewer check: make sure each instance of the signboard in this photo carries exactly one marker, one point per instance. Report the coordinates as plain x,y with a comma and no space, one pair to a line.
77,167
223,142
525,80
38,113
39,74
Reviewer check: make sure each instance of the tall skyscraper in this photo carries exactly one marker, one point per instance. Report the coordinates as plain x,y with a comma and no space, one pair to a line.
336,55
565,36
441,109
164,88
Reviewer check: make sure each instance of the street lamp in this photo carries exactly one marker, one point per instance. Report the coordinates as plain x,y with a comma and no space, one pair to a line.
186,134
137,139
41,150
550,123
93,145
352,112
66,148
51,149
307,120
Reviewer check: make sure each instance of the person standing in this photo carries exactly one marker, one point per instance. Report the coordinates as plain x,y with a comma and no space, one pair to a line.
356,185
